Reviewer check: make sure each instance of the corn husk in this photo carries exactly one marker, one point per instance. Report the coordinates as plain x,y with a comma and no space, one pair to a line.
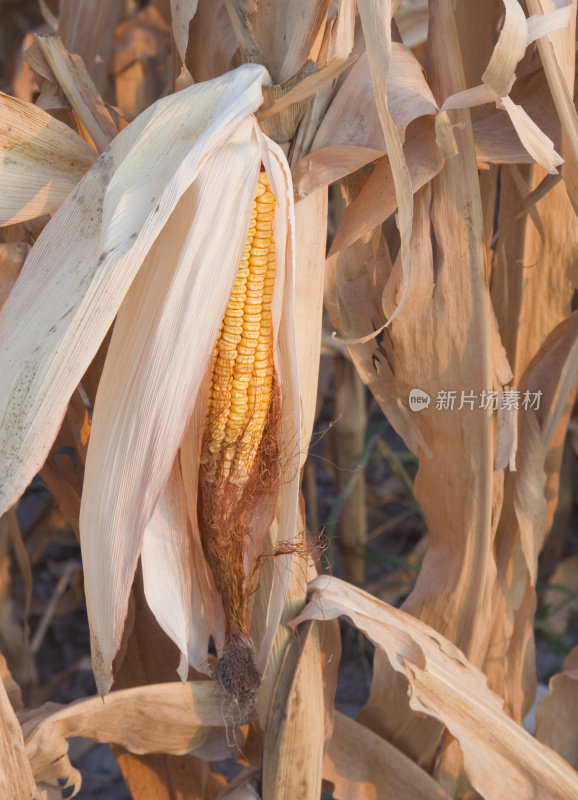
117,239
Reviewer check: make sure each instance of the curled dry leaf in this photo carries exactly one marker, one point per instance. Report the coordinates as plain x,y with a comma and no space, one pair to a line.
499,78
350,134
558,54
41,161
161,718
443,684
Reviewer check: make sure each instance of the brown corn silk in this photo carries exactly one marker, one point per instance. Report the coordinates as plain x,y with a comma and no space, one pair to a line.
239,449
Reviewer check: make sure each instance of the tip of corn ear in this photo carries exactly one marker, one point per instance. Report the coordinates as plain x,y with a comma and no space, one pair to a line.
237,674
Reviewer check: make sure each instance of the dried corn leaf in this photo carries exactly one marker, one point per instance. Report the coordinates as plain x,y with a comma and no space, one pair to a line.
444,341
10,685
378,199
164,777
169,717
350,134
362,766
443,684
41,161
558,55
556,714
243,787
16,776
499,78
352,117
148,657
412,18
77,86
376,22
530,497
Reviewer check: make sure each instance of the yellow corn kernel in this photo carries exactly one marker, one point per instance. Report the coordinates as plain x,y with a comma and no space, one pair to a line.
242,378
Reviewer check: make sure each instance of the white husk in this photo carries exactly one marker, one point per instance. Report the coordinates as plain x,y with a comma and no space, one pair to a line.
83,263
152,235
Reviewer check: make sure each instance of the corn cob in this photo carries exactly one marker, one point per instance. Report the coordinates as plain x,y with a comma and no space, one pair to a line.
238,453
243,359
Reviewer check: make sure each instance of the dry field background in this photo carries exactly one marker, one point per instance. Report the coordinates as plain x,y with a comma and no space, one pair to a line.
370,605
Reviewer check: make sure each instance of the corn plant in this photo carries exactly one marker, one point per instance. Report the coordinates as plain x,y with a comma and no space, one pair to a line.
164,175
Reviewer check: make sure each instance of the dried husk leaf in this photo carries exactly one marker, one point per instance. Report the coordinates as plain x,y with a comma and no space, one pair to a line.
16,776
362,766
293,676
294,733
285,527
556,713
443,684
41,161
166,320
174,594
54,319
